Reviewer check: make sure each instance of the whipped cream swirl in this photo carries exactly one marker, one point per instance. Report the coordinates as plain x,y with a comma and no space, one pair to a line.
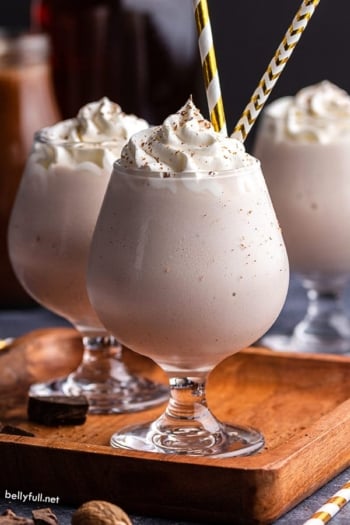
318,113
185,142
97,134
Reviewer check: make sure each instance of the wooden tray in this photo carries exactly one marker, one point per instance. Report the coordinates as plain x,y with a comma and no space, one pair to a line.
300,402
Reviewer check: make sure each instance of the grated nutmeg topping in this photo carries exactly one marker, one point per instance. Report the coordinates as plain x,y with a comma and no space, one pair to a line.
185,142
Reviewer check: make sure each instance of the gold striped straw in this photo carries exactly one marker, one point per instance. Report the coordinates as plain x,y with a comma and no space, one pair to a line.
332,506
209,66
274,69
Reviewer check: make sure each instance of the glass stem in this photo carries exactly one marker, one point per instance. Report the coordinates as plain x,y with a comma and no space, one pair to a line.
187,406
321,308
102,360
186,396
325,318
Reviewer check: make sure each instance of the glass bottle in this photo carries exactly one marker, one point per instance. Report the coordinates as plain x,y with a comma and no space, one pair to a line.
27,103
142,54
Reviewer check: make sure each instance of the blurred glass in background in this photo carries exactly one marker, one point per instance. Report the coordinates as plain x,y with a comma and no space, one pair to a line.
27,102
142,54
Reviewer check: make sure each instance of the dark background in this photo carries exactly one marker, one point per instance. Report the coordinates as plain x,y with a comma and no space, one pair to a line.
247,34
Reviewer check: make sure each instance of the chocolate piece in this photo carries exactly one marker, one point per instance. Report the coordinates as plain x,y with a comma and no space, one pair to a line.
44,517
14,431
10,518
58,410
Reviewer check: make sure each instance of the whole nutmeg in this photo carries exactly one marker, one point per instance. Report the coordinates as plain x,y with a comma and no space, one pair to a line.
97,512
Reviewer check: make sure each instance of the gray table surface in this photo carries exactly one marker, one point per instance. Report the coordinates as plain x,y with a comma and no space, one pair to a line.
14,323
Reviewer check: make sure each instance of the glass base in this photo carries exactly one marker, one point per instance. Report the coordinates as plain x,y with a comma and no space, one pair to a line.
228,441
111,397
291,343
325,328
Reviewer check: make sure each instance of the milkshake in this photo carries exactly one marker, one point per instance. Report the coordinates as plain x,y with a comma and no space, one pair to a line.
50,231
57,205
303,144
187,262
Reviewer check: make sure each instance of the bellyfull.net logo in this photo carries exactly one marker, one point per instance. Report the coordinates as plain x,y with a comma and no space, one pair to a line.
27,497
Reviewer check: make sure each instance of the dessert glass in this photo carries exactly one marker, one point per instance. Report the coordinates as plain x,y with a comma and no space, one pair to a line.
50,230
309,186
187,269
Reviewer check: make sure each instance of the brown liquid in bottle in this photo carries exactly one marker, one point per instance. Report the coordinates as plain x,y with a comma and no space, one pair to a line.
27,103
142,54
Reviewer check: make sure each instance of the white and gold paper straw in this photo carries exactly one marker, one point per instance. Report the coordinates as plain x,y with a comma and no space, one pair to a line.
209,66
274,69
332,506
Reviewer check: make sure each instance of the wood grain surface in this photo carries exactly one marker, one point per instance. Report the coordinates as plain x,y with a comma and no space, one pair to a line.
299,401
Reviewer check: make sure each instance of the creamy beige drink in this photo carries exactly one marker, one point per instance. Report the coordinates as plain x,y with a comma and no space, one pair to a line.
57,206
187,266
303,143
187,262
49,238
304,146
